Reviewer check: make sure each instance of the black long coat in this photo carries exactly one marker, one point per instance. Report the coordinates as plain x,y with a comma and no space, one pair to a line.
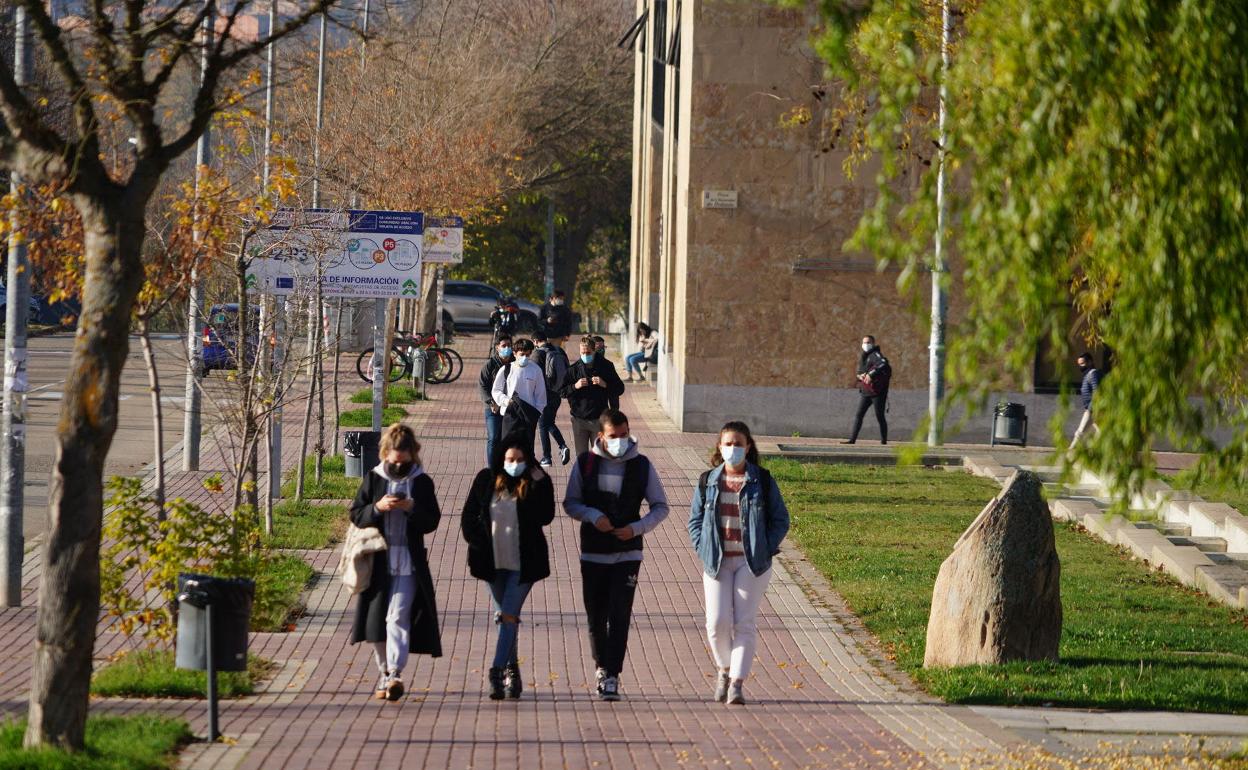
535,511
370,612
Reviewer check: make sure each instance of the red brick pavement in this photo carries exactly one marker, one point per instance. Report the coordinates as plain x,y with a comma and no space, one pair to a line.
319,711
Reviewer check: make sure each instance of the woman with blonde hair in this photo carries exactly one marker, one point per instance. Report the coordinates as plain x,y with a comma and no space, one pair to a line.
398,611
507,507
736,524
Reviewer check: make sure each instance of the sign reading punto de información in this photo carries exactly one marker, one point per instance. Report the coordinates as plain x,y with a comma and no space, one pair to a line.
361,253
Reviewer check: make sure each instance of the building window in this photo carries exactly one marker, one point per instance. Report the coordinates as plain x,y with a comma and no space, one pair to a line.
658,68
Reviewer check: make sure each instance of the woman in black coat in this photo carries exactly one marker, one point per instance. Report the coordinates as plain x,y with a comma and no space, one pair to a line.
398,611
507,507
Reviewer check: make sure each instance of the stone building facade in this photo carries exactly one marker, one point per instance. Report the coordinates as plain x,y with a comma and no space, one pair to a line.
740,214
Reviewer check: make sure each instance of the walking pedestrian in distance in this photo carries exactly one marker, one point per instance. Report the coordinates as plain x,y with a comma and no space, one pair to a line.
557,316
499,357
398,611
647,340
874,373
520,392
600,351
506,508
605,491
1087,389
553,362
588,386
736,524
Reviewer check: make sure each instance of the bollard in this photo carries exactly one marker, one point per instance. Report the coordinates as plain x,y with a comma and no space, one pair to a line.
419,360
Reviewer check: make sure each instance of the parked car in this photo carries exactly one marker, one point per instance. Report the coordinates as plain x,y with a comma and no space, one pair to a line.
220,335
469,304
36,307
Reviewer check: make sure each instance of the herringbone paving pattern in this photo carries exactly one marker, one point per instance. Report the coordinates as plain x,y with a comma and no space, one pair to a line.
817,696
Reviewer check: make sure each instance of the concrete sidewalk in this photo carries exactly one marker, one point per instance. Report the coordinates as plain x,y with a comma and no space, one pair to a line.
821,695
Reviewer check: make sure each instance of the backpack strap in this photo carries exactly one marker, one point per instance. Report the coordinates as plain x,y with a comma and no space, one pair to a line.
704,484
586,463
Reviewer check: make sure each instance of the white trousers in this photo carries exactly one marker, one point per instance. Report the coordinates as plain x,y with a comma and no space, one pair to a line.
1086,423
391,655
732,601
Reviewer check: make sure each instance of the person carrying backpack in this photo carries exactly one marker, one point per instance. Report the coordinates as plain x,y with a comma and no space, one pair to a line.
520,392
736,524
605,491
874,373
553,363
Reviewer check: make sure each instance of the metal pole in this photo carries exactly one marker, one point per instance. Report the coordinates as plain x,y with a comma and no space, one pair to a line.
550,248
364,38
191,425
13,421
313,309
936,347
439,276
380,359
270,67
213,732
275,438
273,445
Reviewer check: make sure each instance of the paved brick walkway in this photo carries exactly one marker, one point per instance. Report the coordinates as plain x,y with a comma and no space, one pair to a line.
817,697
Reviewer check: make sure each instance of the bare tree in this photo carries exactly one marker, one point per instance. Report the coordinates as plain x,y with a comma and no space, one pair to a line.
129,52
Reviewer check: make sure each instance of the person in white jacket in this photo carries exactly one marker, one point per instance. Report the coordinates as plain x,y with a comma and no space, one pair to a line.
520,391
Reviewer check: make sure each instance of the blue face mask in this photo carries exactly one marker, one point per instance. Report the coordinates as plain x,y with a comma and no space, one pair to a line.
587,358
514,469
504,352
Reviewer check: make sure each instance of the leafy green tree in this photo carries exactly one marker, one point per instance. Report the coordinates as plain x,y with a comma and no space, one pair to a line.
1100,172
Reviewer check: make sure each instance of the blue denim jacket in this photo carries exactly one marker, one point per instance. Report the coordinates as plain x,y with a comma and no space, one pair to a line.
762,527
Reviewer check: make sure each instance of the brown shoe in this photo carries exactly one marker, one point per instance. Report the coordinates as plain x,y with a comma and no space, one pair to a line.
394,689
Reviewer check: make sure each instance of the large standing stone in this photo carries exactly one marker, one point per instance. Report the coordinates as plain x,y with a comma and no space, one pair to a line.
997,597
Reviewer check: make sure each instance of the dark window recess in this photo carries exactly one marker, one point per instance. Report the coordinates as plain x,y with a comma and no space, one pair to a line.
658,66
635,33
1048,377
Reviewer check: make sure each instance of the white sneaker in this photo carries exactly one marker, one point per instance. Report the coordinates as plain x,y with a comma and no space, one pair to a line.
735,696
565,454
544,462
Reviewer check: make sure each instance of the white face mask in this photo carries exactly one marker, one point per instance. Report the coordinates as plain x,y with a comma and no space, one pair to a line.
866,347
557,302
733,455
616,447
514,469
522,360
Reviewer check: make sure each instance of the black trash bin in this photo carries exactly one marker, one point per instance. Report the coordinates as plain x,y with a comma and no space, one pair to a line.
360,450
231,619
1009,424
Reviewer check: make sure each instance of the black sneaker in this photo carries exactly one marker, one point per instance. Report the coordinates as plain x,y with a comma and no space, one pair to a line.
565,454
495,679
600,676
512,683
610,690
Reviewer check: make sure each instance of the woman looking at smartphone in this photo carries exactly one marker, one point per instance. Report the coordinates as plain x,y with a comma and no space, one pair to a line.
398,611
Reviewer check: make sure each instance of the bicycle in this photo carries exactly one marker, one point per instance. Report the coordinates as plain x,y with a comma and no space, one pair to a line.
442,364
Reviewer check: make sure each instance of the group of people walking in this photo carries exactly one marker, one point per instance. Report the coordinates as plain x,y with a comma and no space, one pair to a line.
736,524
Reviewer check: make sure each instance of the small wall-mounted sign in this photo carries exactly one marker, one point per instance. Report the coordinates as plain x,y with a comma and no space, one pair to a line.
719,199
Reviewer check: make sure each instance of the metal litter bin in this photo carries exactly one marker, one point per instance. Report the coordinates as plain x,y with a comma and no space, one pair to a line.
230,599
360,450
1009,424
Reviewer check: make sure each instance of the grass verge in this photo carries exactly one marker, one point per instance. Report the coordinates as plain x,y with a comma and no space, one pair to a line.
395,394
113,743
278,588
301,524
363,418
1224,492
151,674
1131,638
334,483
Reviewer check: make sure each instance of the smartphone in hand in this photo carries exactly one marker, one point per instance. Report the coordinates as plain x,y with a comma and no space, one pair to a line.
399,495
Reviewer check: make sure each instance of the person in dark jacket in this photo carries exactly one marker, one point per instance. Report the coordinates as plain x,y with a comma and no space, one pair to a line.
600,350
500,357
557,316
874,373
398,611
553,362
605,491
1087,389
507,507
588,386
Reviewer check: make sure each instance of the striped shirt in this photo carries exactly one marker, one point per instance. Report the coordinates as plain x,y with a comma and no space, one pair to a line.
730,512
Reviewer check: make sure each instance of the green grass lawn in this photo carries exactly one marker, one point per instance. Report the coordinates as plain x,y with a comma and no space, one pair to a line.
334,483
113,743
1215,493
151,674
278,588
1131,638
363,418
395,394
308,525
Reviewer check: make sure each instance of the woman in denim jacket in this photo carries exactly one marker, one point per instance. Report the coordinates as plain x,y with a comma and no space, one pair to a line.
736,524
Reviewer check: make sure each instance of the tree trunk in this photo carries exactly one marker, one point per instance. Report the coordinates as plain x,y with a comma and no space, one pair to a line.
337,369
158,421
314,349
320,390
69,586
